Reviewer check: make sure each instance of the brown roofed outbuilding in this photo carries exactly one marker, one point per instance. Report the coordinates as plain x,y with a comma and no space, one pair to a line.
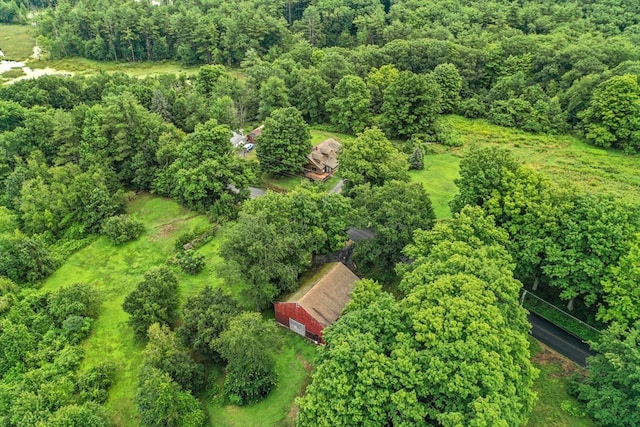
317,305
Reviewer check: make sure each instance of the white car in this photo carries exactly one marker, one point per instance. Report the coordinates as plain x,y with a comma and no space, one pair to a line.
248,147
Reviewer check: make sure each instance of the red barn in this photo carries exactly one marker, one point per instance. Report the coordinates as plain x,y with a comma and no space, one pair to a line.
317,305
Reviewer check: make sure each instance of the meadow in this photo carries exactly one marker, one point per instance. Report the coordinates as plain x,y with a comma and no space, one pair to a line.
115,270
17,41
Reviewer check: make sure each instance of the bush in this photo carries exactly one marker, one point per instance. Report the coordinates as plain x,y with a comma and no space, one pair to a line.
473,108
416,161
122,228
195,238
190,261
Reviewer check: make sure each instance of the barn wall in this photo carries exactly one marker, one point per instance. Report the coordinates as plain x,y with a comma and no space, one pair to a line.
290,310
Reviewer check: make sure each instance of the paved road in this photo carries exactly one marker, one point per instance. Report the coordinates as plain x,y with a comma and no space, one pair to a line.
559,340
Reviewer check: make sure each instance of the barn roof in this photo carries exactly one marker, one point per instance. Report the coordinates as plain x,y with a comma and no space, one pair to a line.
325,299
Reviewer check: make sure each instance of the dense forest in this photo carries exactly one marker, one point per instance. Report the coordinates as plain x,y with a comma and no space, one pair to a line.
435,333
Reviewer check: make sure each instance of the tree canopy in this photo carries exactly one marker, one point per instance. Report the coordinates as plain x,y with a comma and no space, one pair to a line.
372,158
284,143
154,300
431,357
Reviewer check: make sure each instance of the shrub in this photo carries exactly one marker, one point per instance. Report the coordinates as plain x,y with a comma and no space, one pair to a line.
191,262
122,228
416,161
195,238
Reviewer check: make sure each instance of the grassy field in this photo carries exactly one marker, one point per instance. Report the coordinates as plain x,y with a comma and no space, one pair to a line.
437,177
563,158
114,272
554,407
293,367
16,41
83,66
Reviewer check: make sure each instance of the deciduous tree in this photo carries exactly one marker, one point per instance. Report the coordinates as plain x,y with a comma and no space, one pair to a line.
349,108
154,300
247,345
284,143
411,104
371,158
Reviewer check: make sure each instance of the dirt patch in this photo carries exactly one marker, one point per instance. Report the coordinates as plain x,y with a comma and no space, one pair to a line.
168,228
546,356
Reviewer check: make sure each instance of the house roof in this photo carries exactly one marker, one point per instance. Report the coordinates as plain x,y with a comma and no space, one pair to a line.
257,131
325,154
326,298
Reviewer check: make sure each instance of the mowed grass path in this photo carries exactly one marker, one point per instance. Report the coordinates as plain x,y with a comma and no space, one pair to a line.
114,272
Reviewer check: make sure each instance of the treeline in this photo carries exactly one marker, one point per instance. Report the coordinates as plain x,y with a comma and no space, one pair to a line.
71,149
40,353
572,247
538,66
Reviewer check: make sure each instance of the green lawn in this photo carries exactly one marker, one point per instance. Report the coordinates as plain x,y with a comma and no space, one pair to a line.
114,272
563,158
16,41
437,177
554,407
293,366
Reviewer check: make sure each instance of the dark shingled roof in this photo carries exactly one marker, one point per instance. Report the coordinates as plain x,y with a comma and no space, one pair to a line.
328,296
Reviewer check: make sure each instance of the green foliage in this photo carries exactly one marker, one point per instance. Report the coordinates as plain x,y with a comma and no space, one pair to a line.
394,210
284,143
39,357
161,402
24,259
378,80
275,236
76,300
247,345
205,316
416,161
481,173
190,261
86,415
621,295
411,105
371,158
349,108
610,388
310,94
164,352
122,228
205,169
450,81
611,119
154,300
392,362
273,95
